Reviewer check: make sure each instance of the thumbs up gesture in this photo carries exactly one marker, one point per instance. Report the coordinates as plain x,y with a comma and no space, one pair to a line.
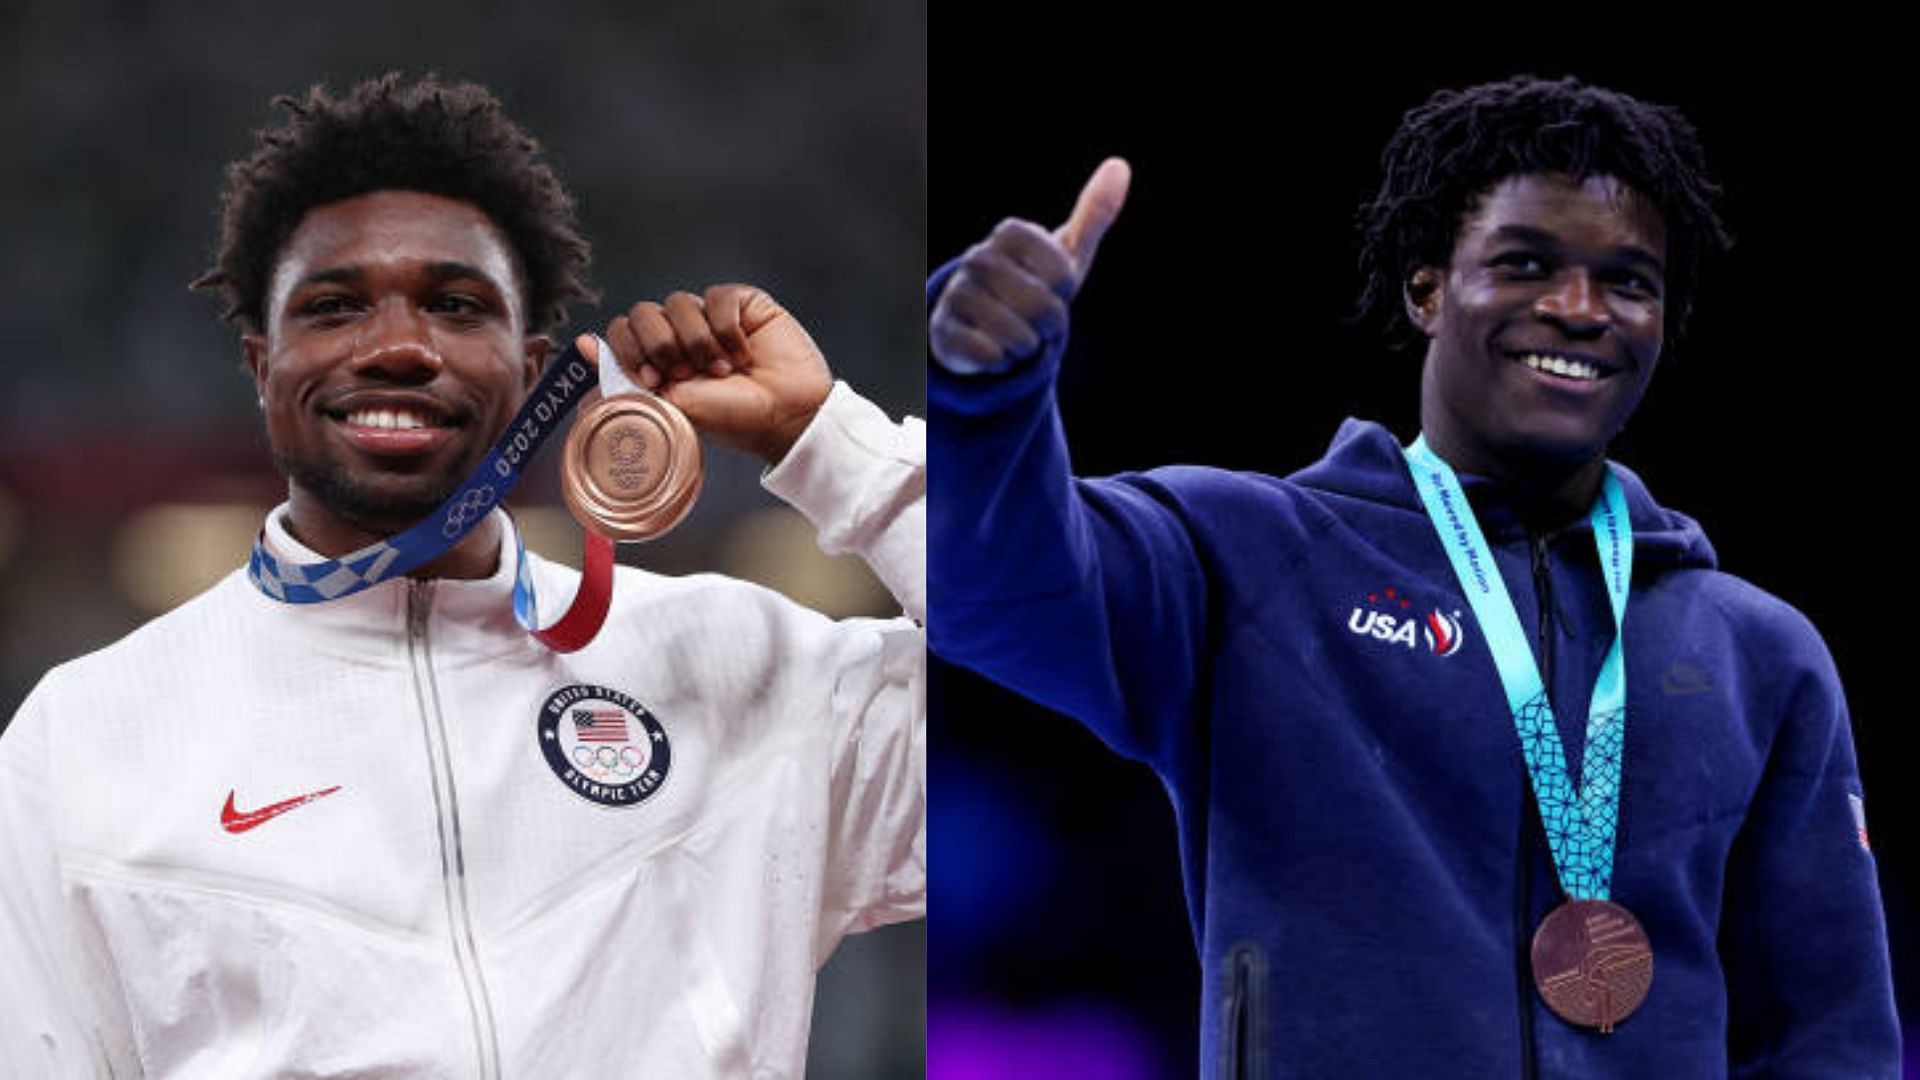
1010,294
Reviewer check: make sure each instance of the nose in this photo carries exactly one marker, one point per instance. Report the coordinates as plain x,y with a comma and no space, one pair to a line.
1576,302
395,344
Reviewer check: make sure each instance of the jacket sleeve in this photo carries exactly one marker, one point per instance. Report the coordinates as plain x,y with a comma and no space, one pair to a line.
49,1025
1085,595
862,481
1803,936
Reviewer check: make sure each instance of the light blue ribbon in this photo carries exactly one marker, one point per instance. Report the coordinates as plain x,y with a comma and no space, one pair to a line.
1580,825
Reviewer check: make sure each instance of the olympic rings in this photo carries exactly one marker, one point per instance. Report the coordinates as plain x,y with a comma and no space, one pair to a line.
470,507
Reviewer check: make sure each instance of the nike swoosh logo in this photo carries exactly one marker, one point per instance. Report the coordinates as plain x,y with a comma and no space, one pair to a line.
235,822
1684,678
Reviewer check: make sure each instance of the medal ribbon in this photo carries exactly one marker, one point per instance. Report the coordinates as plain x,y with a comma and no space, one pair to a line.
1580,825
566,381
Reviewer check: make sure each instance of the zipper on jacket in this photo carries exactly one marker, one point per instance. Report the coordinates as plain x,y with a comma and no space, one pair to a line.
1243,1053
446,807
1539,544
1543,595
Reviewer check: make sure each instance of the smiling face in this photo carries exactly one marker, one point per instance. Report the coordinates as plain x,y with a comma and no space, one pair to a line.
394,355
1544,327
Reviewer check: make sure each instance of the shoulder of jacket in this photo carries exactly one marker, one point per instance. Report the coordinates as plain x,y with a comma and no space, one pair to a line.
633,584
163,635
1770,630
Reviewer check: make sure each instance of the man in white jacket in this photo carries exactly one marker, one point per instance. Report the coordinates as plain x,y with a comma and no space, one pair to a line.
392,834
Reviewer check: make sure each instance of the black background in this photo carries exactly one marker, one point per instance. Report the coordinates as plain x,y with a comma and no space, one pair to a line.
1213,329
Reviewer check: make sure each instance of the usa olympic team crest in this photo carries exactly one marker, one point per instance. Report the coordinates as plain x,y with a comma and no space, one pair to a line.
605,746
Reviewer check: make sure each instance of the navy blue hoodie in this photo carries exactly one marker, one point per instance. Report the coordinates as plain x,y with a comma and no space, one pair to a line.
1363,863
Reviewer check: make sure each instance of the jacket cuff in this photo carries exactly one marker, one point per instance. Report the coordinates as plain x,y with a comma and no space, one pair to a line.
861,480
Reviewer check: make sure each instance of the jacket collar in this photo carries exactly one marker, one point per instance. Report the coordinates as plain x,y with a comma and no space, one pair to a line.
465,618
1365,462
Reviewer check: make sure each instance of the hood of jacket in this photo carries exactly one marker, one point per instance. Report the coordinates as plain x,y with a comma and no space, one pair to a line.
1365,461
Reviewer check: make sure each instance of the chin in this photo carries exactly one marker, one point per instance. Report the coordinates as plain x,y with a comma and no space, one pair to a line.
384,504
1557,447
385,516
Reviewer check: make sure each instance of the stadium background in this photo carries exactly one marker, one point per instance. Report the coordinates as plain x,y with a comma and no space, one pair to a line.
772,142
1211,330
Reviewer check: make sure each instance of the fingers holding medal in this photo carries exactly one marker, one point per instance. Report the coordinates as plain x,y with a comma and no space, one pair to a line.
738,364
674,340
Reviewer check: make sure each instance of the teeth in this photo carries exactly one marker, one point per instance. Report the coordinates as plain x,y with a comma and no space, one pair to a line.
392,419
1560,365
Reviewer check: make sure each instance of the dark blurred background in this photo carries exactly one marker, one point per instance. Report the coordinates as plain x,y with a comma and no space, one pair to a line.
1212,330
775,142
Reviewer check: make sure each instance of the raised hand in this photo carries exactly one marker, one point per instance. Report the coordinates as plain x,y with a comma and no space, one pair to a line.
743,370
1010,294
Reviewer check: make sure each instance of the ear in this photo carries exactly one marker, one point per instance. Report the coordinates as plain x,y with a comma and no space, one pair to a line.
1423,294
538,349
253,348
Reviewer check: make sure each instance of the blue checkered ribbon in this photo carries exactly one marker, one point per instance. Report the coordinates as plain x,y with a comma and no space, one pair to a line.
1580,825
567,379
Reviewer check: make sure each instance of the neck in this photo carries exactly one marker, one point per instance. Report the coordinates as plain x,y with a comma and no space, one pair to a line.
1550,503
477,555
1545,494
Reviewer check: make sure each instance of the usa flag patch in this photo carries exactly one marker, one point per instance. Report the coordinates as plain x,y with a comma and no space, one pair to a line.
1859,808
603,744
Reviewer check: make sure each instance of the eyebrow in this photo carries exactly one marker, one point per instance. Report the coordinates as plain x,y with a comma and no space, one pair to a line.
443,270
339,274
448,269
1527,234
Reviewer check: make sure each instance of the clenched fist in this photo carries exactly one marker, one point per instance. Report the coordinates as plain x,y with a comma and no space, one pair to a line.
743,370
1010,293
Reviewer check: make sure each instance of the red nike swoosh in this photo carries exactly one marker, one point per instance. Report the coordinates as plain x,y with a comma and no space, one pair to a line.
235,822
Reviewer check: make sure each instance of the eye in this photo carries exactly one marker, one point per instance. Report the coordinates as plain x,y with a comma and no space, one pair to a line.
328,307
1634,283
1520,265
461,305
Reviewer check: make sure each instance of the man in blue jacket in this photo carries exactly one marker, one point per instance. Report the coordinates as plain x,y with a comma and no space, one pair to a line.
1569,841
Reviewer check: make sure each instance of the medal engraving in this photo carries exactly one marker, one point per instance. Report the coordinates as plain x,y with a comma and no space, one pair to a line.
626,449
1592,963
632,468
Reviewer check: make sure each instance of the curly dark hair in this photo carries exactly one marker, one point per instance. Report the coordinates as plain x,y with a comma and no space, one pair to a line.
1453,149
389,135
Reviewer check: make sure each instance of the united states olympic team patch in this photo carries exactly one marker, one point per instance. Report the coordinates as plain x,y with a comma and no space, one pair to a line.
605,746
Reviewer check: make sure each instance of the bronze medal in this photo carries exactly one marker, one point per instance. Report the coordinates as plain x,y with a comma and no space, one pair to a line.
1592,963
632,467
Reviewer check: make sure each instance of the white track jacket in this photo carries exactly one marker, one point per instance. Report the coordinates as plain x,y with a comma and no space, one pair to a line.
393,836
